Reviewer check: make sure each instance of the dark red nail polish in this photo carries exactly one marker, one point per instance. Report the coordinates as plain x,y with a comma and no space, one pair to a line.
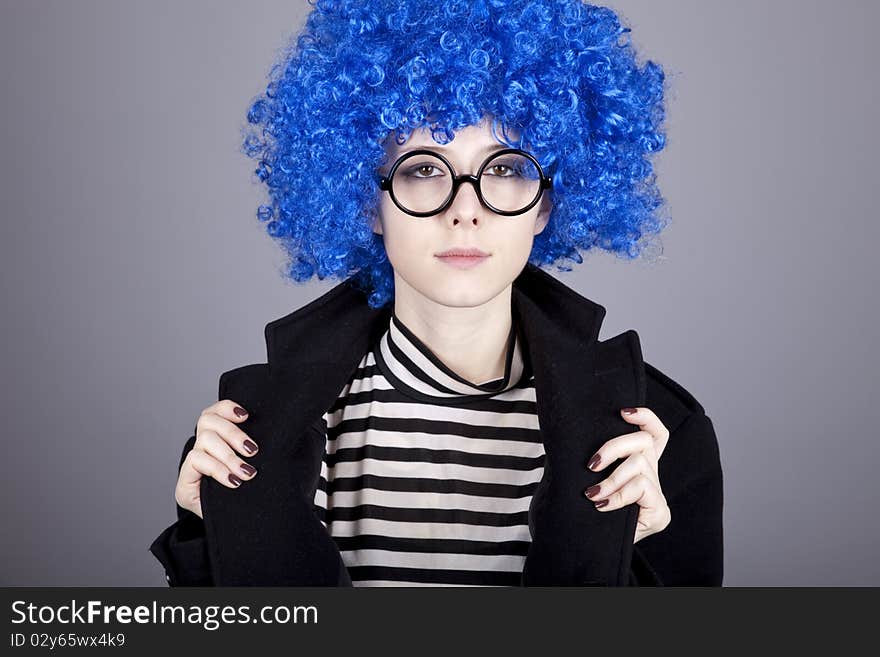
601,503
235,480
594,461
250,446
248,469
592,490
629,411
239,411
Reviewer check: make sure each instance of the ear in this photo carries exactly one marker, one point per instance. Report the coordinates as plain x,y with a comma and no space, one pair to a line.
543,214
376,226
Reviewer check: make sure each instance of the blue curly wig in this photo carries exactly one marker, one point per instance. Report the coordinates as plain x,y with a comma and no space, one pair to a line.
561,73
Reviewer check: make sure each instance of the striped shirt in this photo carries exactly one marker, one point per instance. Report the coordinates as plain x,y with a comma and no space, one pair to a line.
426,478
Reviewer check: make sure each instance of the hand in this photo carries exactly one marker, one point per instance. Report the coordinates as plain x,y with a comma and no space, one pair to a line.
213,454
637,478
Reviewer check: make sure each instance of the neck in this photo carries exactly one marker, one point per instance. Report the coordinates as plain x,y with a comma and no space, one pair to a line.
472,342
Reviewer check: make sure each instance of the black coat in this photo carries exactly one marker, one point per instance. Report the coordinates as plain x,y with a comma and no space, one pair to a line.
266,532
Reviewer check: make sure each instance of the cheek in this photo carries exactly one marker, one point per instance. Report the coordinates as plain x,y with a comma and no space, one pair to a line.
404,237
520,236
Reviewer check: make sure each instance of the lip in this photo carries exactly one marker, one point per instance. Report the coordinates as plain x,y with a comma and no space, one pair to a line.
463,262
462,251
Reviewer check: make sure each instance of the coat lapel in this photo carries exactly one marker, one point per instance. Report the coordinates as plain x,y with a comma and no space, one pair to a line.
581,386
266,533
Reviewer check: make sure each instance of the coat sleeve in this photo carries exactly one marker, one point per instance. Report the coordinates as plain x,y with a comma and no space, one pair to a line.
689,551
182,547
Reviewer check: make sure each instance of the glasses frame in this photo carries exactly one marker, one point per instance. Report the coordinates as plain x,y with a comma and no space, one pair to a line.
385,182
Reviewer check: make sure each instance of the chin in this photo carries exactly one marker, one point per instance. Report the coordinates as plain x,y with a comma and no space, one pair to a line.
460,293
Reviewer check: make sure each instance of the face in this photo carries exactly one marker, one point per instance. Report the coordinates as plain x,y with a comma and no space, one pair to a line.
413,243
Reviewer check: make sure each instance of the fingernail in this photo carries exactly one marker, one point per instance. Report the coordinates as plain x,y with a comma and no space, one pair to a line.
248,469
592,490
239,411
235,480
594,461
629,411
601,503
250,446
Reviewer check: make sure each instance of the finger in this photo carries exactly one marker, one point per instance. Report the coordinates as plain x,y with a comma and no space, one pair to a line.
198,464
228,409
228,431
214,445
189,497
648,421
633,466
621,447
647,525
638,490
651,521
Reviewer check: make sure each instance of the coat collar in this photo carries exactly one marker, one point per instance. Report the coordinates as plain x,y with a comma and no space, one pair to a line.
577,320
266,533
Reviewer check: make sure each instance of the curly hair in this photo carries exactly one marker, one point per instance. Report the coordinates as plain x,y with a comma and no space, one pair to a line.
561,73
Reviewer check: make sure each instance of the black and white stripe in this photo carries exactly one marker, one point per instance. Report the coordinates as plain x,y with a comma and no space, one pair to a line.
426,477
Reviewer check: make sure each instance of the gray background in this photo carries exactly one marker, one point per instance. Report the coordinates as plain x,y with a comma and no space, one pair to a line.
134,271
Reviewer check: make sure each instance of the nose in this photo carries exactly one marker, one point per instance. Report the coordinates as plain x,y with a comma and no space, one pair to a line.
466,205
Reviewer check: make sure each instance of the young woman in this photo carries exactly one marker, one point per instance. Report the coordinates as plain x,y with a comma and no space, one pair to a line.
447,415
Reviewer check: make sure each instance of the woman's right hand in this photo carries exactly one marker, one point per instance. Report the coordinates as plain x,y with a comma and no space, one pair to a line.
218,438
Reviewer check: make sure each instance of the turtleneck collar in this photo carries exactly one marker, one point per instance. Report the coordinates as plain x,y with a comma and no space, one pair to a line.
412,368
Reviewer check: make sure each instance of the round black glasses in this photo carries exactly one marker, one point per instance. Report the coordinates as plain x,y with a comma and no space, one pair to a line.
423,183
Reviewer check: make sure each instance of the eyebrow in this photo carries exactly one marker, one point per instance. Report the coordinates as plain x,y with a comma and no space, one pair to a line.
488,149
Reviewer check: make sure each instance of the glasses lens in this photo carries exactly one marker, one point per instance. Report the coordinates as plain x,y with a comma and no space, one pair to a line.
422,183
510,182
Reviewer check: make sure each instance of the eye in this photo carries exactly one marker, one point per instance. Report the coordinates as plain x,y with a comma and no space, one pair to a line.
423,171
500,170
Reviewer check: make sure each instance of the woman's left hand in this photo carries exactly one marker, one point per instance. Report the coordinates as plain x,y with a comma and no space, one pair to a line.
636,479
